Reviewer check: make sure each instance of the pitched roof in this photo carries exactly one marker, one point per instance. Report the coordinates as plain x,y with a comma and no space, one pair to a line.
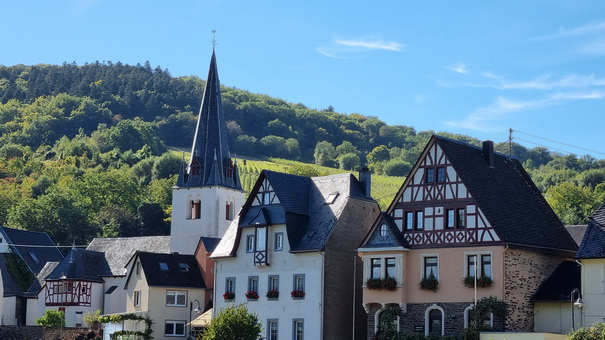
389,238
81,264
509,199
209,243
36,286
303,207
210,162
119,250
34,247
11,288
560,283
180,271
593,243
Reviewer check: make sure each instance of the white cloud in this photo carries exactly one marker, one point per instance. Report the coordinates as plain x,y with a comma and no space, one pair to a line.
348,48
486,118
592,48
544,82
459,68
371,44
595,27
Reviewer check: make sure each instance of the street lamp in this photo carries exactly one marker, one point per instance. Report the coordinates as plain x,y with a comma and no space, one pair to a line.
191,310
577,303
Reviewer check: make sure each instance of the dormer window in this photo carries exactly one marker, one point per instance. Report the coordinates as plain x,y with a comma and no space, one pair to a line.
163,266
184,267
383,230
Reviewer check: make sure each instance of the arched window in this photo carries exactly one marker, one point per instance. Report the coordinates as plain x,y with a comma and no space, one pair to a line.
469,320
433,320
229,211
386,319
195,209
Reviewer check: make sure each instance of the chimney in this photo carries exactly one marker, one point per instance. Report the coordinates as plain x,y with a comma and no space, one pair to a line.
488,152
365,178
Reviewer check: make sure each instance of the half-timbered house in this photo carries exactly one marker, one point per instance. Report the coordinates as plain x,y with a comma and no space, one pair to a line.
464,217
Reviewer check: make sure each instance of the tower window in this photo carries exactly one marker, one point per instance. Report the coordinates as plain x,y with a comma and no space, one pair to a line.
196,209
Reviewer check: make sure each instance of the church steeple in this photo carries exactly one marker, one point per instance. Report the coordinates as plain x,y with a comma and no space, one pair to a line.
210,163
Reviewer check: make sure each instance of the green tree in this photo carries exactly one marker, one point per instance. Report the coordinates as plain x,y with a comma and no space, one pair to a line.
324,154
346,147
573,204
594,332
234,323
52,318
348,161
396,167
379,154
165,166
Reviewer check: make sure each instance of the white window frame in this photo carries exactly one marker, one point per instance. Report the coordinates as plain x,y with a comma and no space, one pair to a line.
174,324
176,294
467,319
426,319
279,241
137,298
250,243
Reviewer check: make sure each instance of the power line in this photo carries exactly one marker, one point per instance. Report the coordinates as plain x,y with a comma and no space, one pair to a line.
558,142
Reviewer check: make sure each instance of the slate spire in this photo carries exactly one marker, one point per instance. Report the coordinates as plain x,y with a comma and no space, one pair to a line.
210,162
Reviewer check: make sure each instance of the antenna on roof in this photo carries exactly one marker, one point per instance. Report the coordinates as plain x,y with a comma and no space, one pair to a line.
213,41
510,142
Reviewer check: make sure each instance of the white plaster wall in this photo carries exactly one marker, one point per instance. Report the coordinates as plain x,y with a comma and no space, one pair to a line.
593,291
286,265
32,312
9,305
553,317
116,301
185,233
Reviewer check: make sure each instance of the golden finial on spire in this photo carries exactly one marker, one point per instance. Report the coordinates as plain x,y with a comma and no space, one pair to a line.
213,39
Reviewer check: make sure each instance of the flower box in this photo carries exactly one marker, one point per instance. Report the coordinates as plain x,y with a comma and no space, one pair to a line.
387,283
429,283
482,282
272,294
252,295
297,294
229,296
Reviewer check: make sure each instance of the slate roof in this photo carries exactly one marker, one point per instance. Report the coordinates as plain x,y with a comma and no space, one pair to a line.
210,150
209,243
559,285
394,237
309,219
10,286
36,286
174,276
81,264
34,247
593,243
511,202
118,251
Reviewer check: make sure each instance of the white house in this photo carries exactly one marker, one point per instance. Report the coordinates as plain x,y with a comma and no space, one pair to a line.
291,255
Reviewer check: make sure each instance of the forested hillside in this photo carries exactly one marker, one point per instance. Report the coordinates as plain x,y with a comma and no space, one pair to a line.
83,148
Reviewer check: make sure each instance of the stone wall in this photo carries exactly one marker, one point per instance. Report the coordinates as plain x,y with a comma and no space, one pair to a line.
525,272
39,333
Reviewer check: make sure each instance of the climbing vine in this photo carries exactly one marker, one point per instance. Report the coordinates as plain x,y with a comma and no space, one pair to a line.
117,318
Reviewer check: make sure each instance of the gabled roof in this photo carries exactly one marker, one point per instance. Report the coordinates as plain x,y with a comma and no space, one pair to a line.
11,288
560,283
303,207
593,243
37,285
209,243
119,250
34,247
390,239
509,199
180,271
81,264
210,162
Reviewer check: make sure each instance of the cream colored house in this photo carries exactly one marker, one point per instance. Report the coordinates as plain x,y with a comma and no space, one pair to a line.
463,212
166,288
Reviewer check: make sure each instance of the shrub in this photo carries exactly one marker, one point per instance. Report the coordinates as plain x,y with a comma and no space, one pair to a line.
429,283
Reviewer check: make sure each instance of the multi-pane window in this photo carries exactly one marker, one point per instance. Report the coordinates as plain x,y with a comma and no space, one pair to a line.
271,329
390,267
419,220
137,297
249,243
409,220
483,269
174,328
376,268
430,175
261,238
383,230
274,282
298,329
299,282
398,217
279,241
253,283
176,298
455,218
230,284
431,267
440,174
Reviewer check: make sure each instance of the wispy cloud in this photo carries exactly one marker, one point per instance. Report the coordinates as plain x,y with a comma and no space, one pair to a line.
593,48
544,82
371,44
347,48
459,68
486,118
590,28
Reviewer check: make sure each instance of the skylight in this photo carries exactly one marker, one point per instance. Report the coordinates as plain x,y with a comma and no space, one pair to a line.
184,267
163,265
34,257
331,198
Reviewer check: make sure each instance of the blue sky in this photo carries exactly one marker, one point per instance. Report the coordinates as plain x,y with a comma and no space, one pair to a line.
469,67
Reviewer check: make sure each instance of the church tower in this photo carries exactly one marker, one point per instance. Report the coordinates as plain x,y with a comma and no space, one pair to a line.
208,193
